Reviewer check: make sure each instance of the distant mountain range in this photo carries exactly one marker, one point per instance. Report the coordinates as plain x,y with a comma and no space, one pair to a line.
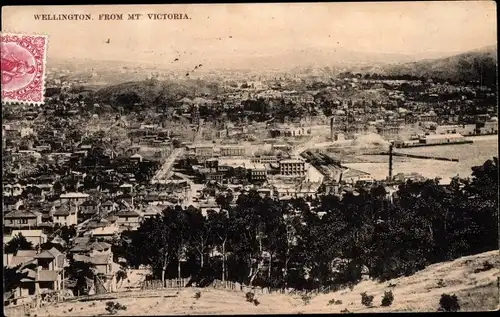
478,64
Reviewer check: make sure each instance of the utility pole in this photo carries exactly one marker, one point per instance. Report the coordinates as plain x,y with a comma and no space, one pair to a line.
390,161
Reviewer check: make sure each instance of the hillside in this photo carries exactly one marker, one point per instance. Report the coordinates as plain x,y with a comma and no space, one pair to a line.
468,66
475,290
152,92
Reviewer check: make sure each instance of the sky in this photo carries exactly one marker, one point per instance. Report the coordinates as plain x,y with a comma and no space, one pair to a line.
233,31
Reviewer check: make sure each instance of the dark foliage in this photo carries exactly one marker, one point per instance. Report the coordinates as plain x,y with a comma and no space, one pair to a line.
387,299
249,296
17,243
449,303
366,299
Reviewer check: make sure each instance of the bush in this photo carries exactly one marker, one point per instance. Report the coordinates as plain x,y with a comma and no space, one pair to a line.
441,283
334,302
387,299
486,267
345,311
112,307
449,303
249,297
256,302
306,298
197,295
366,299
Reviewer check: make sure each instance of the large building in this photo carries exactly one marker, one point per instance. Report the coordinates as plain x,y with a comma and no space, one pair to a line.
293,167
232,150
265,159
204,151
463,129
258,172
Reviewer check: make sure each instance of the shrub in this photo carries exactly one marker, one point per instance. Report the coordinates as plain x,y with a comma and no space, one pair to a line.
449,303
441,283
334,302
387,299
197,295
486,267
249,296
256,302
366,299
112,307
306,298
345,310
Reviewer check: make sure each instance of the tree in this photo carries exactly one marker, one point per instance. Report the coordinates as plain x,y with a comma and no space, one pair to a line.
12,278
153,244
201,231
67,233
81,274
222,230
17,243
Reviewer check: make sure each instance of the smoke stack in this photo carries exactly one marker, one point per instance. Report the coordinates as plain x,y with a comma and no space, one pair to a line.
390,161
331,128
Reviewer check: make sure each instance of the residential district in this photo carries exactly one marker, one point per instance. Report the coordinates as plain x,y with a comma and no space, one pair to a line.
101,165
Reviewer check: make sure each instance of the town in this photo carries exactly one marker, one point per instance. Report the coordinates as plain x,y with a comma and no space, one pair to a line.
319,158
77,176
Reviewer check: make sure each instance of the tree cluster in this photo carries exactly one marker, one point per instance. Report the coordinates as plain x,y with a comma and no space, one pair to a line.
330,241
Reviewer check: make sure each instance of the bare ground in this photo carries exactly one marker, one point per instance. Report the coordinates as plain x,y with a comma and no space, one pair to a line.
476,291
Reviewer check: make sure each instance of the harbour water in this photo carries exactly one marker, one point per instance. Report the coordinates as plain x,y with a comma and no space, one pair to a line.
483,148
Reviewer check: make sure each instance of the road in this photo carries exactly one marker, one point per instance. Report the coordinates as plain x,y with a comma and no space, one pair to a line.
166,168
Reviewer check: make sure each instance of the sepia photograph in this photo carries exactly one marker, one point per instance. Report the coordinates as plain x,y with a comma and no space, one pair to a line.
231,159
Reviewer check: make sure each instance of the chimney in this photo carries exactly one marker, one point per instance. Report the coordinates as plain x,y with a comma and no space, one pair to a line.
390,161
331,128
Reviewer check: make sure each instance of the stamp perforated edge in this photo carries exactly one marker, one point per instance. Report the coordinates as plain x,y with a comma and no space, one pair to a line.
35,103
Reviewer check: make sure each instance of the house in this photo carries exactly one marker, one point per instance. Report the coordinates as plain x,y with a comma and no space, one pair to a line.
151,211
136,158
66,215
88,209
88,246
22,219
36,237
14,190
128,219
51,259
42,273
20,258
104,230
108,206
77,198
102,263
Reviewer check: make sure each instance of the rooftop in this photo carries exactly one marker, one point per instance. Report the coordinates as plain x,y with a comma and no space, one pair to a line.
22,214
74,195
48,254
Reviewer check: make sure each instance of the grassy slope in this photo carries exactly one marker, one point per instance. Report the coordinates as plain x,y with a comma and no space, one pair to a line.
420,292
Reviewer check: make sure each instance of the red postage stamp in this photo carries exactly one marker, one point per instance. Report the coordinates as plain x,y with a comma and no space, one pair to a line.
23,62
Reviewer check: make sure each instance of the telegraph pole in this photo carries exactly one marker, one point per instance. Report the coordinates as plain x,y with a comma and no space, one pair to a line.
390,161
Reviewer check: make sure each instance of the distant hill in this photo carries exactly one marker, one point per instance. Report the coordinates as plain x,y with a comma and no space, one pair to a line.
152,92
475,65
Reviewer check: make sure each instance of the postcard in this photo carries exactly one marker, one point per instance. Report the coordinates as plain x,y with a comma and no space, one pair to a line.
278,158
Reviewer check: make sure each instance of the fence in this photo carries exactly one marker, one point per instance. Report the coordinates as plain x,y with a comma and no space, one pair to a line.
235,286
173,283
